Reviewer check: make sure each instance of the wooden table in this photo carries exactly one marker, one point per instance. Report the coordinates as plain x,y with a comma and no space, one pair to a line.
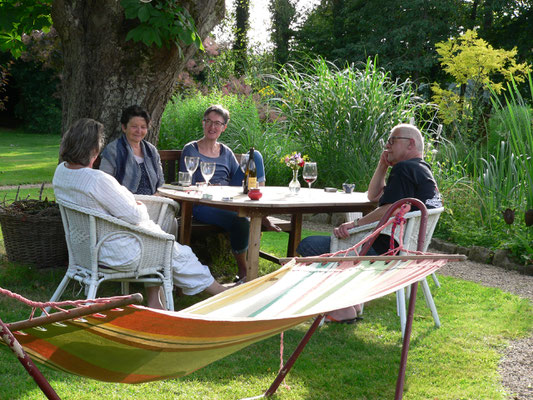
275,200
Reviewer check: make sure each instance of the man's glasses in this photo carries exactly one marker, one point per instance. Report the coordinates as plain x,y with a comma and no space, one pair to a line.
218,124
390,141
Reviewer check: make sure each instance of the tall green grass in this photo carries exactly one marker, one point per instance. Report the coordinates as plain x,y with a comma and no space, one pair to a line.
515,118
182,121
338,116
182,118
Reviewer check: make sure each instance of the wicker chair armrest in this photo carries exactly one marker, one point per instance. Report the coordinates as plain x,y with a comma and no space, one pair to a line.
157,201
156,248
162,211
116,221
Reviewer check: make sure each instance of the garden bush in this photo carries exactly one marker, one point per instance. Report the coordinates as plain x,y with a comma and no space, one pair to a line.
39,104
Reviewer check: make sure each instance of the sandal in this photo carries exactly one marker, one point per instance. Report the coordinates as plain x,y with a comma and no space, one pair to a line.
329,319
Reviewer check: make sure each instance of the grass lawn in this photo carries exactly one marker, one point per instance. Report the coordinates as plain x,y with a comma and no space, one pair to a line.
457,361
27,158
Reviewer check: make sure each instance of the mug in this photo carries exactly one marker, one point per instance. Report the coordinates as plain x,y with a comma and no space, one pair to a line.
184,179
348,187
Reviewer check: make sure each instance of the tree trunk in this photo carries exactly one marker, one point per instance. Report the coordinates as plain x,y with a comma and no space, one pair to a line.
103,73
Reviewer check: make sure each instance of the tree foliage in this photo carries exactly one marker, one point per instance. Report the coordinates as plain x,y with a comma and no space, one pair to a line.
402,33
163,22
503,23
283,17
160,22
19,17
476,65
242,25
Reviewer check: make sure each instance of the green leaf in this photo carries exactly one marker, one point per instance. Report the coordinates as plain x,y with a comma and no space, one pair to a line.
144,13
131,8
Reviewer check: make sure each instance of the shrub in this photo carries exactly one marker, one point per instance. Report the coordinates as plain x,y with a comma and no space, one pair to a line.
39,105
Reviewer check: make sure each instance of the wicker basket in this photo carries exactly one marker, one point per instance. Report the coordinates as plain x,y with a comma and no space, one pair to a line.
34,238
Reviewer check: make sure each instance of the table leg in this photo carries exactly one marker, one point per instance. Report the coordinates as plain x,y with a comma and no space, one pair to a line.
295,235
252,260
185,223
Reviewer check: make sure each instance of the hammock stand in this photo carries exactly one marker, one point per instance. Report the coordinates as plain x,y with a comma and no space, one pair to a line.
99,305
403,206
82,309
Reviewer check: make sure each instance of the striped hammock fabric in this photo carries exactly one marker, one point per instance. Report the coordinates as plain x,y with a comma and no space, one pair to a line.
137,344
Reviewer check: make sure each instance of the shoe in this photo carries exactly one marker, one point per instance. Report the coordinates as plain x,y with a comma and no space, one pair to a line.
328,320
238,280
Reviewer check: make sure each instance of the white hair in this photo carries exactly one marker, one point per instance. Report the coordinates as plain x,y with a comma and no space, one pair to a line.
412,132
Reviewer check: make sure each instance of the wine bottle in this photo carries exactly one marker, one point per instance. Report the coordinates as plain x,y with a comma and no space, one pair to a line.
250,175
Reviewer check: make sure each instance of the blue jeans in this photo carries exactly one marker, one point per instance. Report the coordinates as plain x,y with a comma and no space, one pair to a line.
314,246
317,245
237,227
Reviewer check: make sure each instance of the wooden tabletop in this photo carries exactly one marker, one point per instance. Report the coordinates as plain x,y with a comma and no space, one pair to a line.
275,200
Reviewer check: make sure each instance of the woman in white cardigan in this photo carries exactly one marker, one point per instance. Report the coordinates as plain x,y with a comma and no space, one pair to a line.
77,182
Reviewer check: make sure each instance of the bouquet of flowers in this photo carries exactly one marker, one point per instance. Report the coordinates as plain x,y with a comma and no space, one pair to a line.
294,160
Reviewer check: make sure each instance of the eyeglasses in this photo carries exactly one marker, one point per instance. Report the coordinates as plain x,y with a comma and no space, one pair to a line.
390,141
218,124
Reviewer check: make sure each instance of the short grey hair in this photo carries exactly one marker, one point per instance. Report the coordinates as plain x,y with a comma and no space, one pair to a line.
412,132
81,141
219,110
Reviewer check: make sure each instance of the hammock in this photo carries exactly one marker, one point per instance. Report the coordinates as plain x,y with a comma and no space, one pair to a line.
135,344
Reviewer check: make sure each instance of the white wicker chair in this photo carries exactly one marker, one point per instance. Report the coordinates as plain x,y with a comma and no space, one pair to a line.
86,230
162,211
410,243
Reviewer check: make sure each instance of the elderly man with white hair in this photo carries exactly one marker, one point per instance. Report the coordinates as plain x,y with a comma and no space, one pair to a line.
410,176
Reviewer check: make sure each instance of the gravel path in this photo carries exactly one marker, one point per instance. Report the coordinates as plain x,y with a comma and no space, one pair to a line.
516,366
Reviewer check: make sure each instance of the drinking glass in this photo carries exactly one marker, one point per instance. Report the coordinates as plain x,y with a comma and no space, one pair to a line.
185,178
191,163
244,161
310,173
208,170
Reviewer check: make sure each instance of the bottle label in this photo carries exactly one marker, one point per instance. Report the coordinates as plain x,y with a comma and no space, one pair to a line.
252,182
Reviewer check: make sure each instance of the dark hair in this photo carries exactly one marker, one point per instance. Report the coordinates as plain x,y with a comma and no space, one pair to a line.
83,139
134,111
219,110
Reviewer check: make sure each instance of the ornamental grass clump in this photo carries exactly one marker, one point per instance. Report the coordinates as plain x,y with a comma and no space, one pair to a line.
337,116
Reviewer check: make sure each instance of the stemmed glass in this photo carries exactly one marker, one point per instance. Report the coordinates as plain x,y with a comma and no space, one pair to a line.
310,173
191,163
208,170
244,162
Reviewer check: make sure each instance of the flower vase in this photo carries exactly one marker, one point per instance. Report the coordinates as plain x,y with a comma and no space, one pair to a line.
294,185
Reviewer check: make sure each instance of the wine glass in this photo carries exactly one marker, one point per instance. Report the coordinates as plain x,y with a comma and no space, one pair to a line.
191,163
208,170
244,162
310,173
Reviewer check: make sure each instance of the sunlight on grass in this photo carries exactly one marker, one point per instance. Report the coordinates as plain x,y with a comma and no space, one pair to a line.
31,167
32,160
